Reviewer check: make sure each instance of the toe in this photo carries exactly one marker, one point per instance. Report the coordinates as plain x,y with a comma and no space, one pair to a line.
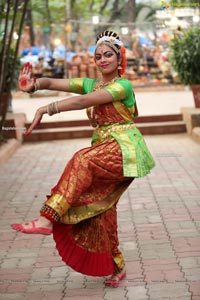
16,226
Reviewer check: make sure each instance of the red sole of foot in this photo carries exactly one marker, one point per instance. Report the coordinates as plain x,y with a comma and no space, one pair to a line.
33,230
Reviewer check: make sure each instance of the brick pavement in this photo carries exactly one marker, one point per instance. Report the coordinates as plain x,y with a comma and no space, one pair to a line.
159,227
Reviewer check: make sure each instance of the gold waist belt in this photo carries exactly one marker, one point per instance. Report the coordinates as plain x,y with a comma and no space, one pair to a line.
106,132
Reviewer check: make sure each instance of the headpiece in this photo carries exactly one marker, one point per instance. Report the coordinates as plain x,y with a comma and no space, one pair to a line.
112,40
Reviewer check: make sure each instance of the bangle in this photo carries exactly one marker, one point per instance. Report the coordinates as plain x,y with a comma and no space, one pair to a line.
56,107
52,109
36,86
32,91
48,110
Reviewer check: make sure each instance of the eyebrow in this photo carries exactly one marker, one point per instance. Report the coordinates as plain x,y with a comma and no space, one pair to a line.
96,53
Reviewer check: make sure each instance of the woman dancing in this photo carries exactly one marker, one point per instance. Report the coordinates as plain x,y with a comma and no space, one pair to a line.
81,210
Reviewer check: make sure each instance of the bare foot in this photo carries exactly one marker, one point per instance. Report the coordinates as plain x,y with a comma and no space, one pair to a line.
114,279
40,226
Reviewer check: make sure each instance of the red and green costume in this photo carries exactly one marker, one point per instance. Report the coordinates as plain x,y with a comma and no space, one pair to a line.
82,206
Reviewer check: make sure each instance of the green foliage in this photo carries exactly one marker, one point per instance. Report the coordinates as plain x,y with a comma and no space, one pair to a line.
185,56
40,13
79,9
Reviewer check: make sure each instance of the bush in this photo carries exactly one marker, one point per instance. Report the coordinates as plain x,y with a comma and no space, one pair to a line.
185,56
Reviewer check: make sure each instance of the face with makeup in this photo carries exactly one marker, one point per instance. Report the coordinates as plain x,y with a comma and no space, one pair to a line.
106,60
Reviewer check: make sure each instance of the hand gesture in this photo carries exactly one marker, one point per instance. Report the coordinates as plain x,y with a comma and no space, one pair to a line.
25,82
36,121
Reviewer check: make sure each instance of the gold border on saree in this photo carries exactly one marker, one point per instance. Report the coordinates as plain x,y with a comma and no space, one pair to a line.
77,214
106,132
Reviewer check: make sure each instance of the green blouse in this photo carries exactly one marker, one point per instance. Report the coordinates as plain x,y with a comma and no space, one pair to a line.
121,89
137,160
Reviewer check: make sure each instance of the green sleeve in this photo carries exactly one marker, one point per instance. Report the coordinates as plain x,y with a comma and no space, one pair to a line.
76,85
81,85
122,89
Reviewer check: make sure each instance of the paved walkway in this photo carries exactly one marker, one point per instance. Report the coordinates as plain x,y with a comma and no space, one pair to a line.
159,227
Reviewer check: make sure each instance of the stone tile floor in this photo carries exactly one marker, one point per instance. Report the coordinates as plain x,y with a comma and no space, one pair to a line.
159,227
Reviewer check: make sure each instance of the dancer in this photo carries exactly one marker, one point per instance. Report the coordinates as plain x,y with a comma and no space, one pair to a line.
81,209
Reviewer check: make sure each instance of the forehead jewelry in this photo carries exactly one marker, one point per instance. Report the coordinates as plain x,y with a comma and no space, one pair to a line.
110,41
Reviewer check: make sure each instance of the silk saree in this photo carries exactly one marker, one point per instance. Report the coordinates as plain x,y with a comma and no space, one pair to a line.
83,204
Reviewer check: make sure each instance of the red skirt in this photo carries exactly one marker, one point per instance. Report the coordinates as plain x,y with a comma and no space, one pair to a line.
92,183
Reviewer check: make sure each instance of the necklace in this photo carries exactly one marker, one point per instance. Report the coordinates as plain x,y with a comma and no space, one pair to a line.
90,110
102,83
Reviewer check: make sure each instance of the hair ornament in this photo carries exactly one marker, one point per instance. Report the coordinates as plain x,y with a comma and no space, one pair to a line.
109,39
123,61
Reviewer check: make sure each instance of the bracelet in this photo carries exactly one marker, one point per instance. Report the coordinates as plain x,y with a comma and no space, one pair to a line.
32,91
52,109
36,86
49,213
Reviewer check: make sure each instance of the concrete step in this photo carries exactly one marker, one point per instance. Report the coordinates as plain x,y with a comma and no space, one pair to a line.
148,125
59,133
162,127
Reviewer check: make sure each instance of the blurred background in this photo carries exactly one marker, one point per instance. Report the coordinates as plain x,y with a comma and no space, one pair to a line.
58,37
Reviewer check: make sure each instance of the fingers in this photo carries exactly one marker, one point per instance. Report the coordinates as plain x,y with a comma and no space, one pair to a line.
27,132
36,121
25,81
26,69
30,129
25,75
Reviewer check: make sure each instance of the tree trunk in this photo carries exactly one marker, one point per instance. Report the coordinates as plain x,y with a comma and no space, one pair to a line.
6,48
131,11
48,11
29,22
7,52
3,50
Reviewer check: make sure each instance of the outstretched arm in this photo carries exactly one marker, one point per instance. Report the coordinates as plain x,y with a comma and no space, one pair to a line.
72,103
29,84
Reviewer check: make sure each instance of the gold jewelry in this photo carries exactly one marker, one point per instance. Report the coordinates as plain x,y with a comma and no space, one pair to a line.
107,131
109,44
110,39
36,86
56,107
101,83
48,110
52,108
49,212
33,90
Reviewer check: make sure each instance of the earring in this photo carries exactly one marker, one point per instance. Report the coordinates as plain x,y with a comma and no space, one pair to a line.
119,67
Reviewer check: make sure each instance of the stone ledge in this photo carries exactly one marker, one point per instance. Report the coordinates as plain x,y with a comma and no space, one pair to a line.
14,126
191,116
8,149
13,130
196,134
